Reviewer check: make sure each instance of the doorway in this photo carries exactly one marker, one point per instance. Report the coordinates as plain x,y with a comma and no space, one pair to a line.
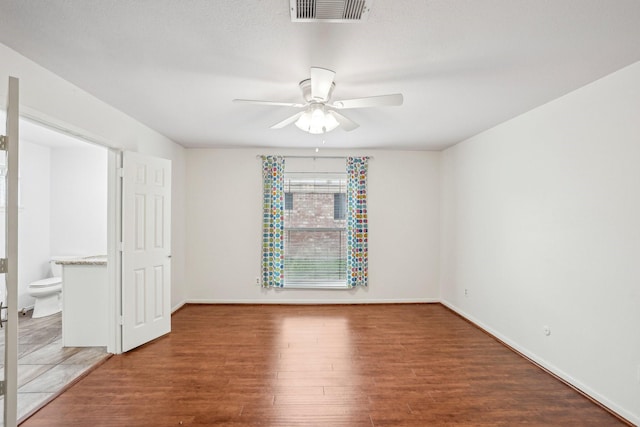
62,211
149,259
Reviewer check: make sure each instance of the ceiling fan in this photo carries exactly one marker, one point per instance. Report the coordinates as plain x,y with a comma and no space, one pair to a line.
319,113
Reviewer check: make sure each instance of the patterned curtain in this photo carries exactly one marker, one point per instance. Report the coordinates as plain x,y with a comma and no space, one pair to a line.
357,227
273,221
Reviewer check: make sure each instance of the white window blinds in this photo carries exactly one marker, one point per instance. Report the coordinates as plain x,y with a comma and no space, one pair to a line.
315,229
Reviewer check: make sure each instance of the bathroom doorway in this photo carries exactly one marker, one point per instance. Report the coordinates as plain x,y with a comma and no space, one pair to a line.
62,211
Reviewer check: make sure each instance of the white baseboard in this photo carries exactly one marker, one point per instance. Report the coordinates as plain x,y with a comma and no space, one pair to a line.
633,418
312,301
178,306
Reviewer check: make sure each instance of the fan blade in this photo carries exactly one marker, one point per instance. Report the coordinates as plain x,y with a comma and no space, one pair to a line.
287,121
321,81
371,101
272,103
345,123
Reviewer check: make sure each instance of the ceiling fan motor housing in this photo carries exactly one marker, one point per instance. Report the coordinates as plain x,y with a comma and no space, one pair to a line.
305,87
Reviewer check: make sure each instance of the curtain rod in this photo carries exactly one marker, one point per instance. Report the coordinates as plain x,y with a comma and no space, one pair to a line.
259,156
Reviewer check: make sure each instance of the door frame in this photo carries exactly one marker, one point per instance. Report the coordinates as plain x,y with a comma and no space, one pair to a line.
11,149
114,250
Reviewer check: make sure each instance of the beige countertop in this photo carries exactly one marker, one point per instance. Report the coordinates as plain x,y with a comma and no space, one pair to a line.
89,260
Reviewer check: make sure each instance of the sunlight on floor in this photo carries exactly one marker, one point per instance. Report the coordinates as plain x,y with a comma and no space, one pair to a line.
315,350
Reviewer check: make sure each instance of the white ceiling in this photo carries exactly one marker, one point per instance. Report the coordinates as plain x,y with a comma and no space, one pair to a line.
463,65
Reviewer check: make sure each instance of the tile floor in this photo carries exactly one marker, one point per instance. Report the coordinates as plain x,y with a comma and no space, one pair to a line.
44,366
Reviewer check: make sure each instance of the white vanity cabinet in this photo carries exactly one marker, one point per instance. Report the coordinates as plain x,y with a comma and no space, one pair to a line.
84,302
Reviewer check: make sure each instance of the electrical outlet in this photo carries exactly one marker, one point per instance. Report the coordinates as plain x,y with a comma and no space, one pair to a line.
546,330
466,292
257,280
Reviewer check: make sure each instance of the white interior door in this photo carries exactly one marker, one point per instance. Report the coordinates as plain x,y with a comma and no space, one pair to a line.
146,257
9,311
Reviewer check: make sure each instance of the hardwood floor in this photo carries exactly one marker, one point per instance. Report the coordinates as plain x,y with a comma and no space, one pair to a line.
328,365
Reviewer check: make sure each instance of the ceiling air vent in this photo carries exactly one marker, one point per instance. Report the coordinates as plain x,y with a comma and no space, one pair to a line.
330,10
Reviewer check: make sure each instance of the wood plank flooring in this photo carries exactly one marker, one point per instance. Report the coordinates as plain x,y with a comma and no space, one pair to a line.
45,367
327,365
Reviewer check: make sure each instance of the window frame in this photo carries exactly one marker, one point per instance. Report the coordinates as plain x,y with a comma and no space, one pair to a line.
325,181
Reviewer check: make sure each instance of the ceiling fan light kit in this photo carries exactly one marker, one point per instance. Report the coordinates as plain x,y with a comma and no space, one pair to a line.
319,115
316,120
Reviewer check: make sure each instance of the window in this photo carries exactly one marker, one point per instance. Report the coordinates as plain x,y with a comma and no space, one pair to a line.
288,201
339,205
315,243
315,230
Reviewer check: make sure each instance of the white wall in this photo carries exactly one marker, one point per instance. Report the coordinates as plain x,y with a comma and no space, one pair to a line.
49,98
79,200
541,223
33,219
224,202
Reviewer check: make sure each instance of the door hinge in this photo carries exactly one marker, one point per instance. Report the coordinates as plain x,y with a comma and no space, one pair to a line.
121,246
121,320
2,386
120,172
3,316
3,265
3,143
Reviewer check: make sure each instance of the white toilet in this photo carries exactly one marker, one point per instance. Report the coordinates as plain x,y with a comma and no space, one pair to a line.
48,293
